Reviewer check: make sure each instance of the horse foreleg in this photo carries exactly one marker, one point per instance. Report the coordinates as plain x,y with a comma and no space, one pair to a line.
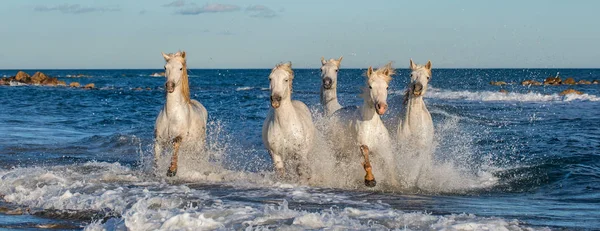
369,177
173,168
157,152
278,164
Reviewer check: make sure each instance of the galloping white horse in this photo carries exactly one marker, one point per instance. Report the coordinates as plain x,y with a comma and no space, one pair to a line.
182,121
329,73
364,126
415,131
288,131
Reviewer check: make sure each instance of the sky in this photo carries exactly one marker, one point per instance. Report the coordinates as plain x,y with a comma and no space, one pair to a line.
94,34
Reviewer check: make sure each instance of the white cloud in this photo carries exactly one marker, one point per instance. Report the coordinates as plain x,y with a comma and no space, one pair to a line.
73,9
209,8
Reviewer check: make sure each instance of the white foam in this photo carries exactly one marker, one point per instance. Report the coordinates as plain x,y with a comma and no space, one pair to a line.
147,203
246,88
511,96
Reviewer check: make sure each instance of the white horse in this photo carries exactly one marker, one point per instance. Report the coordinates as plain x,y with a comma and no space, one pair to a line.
182,121
288,131
363,125
415,130
329,73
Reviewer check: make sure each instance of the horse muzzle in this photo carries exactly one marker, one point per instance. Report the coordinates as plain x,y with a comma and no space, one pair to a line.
327,83
417,89
381,108
275,101
170,87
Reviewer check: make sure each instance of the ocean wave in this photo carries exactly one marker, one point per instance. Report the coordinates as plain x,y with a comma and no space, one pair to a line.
245,88
131,200
511,96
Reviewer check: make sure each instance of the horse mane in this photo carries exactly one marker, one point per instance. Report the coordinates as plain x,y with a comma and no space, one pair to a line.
387,68
334,62
185,84
287,67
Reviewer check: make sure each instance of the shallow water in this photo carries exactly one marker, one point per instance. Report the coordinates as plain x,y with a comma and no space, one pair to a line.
80,158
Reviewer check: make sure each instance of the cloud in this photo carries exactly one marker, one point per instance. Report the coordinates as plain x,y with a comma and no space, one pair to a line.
209,8
260,11
177,3
73,9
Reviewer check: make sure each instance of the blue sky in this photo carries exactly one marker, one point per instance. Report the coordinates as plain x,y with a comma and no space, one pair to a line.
39,34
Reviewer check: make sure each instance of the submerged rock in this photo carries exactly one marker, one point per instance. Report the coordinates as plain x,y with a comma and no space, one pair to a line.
530,82
596,81
158,74
569,81
552,80
503,91
570,91
584,82
498,83
89,86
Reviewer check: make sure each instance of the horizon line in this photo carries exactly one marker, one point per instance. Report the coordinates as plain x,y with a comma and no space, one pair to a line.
299,68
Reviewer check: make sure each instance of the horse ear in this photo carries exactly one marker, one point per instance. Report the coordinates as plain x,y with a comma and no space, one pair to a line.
387,69
288,64
413,66
323,62
183,54
340,60
167,57
428,65
369,72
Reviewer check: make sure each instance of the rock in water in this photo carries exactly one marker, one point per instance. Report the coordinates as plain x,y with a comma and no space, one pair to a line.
552,80
571,91
22,77
89,86
74,84
584,82
503,91
530,82
38,78
569,81
498,83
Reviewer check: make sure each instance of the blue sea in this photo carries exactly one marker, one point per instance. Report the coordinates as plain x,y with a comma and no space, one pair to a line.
75,159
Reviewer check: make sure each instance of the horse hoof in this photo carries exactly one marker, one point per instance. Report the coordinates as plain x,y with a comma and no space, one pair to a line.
370,183
171,173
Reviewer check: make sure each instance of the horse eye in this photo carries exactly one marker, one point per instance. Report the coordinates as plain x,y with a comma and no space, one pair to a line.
181,69
336,70
387,88
370,87
165,67
287,80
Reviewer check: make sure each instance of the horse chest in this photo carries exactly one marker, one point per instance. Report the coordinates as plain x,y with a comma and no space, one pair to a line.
370,133
286,138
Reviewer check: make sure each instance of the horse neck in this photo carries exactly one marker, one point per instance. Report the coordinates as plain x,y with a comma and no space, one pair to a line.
286,111
367,111
413,106
329,96
180,98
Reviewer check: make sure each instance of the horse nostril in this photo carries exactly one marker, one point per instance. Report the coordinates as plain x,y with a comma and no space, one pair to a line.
276,98
418,87
327,82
